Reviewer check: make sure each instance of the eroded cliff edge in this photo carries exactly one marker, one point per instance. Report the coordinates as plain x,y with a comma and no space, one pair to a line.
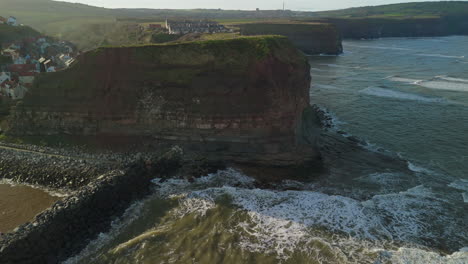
239,99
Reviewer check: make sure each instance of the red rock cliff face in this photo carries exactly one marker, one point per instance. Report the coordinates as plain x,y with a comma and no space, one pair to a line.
241,97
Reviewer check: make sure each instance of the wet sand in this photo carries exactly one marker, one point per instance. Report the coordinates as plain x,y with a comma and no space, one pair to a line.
20,204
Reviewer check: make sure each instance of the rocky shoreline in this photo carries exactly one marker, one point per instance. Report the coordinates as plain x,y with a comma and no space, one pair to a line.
100,187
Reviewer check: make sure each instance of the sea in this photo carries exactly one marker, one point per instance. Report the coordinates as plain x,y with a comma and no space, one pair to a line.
398,195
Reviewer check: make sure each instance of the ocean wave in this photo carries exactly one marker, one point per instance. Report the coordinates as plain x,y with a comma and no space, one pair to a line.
328,119
327,87
445,85
387,93
440,56
280,221
461,185
414,255
130,215
379,47
452,79
404,80
318,70
341,66
416,168
331,122
437,83
51,192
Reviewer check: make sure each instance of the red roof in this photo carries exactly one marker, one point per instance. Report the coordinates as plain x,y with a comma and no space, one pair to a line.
155,26
19,68
22,74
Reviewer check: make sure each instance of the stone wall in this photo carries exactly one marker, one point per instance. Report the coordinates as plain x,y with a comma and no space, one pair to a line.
71,223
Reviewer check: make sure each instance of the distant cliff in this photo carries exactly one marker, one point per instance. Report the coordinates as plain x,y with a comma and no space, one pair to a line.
368,28
242,98
311,38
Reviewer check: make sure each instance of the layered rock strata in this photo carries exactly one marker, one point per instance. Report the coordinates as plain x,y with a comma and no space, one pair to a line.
241,99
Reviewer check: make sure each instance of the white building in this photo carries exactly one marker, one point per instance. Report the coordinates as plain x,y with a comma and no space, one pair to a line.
14,91
12,21
4,76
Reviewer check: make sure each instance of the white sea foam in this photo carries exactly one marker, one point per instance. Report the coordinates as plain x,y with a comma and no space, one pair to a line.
326,86
382,92
461,185
452,79
437,83
280,221
404,80
331,121
416,168
413,255
318,70
51,192
130,215
379,47
440,56
341,66
445,85
386,179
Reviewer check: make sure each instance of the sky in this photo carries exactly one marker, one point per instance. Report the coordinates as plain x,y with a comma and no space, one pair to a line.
301,5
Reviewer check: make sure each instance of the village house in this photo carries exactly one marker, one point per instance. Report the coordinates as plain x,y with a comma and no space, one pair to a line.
13,90
3,20
4,76
189,26
46,65
12,21
24,58
22,68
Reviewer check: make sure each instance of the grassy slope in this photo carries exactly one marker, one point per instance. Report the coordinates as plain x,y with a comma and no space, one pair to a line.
416,9
90,26
9,33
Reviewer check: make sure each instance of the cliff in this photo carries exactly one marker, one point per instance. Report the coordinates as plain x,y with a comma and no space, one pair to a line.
357,28
241,98
311,38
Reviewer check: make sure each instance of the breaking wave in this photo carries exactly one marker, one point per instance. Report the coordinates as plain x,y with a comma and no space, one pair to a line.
440,56
387,93
461,185
437,83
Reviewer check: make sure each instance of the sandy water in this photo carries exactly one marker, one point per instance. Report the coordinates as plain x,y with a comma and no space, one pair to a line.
20,204
398,197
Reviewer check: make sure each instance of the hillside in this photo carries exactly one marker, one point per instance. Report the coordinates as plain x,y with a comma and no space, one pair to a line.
416,9
90,26
9,33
